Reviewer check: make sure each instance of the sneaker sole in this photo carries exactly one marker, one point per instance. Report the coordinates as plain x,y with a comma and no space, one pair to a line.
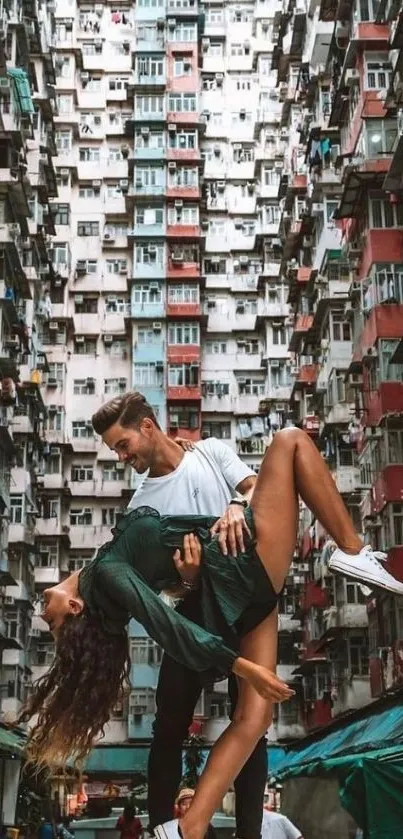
365,577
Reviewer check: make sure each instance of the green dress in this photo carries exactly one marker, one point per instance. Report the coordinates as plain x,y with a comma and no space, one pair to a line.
128,573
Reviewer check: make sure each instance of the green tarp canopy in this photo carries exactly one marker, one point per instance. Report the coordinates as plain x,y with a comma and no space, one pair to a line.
11,743
366,756
22,89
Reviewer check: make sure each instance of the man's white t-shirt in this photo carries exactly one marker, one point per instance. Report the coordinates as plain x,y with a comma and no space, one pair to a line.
277,826
202,484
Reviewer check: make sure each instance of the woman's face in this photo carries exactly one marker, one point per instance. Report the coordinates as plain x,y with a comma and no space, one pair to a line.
59,602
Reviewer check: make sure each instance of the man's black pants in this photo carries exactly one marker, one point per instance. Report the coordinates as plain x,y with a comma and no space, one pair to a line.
177,694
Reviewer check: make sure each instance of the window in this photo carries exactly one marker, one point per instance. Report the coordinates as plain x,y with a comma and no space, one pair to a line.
182,139
88,228
116,266
279,335
397,524
49,508
149,176
183,333
216,227
86,347
247,347
61,213
150,67
79,517
85,305
84,387
64,104
114,155
93,85
53,336
182,102
82,429
56,373
16,509
183,176
63,141
215,265
245,307
118,83
245,154
183,293
149,215
215,347
48,555
182,67
76,563
149,105
368,10
340,328
183,375
142,701
88,192
153,140
82,473
181,417
116,305
149,254
251,387
188,214
115,387
115,229
380,136
118,347
52,463
44,655
271,177
214,15
145,294
384,214
113,471
145,651
147,336
221,430
147,375
89,155
358,656
183,32
109,516
214,388
378,72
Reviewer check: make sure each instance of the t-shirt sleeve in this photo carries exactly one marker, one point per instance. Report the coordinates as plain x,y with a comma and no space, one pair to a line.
231,466
184,641
290,831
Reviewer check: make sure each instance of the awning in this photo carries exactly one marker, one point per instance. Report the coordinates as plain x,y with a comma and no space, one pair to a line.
22,89
129,758
11,743
369,732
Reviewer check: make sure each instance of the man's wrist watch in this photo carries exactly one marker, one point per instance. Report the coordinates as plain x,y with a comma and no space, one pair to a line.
241,501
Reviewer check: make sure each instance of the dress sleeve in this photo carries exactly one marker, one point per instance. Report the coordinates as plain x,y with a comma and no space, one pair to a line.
183,640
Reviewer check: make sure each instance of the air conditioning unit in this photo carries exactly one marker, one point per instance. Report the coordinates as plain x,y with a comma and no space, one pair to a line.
107,339
9,601
81,266
280,406
85,76
219,77
51,382
178,203
221,186
352,77
171,164
275,362
171,127
64,172
79,339
372,433
120,467
123,269
317,209
157,326
97,184
79,298
56,450
307,242
35,633
53,326
52,409
145,130
244,260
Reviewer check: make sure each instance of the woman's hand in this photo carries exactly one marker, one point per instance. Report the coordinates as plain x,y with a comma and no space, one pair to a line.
187,562
186,445
263,680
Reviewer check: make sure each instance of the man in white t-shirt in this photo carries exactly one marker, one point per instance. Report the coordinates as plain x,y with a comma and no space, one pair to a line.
277,826
210,480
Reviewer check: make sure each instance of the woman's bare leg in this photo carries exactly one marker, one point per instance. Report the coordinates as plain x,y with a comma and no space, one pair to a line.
251,720
293,466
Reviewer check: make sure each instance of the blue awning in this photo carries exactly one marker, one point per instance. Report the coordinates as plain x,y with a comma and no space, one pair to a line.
126,759
379,731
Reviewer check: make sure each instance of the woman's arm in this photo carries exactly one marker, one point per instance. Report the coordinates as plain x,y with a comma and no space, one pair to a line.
182,639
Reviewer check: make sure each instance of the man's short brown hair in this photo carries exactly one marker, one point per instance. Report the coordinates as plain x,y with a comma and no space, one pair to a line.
127,410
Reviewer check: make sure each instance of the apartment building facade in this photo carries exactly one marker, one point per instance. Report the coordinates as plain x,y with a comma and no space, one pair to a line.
208,203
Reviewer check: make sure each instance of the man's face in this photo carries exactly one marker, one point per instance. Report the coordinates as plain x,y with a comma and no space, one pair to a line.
135,446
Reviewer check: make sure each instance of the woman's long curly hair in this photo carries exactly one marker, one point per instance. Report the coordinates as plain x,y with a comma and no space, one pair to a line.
76,696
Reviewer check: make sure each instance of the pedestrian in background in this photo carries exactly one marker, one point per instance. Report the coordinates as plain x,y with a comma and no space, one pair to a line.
182,804
277,826
129,823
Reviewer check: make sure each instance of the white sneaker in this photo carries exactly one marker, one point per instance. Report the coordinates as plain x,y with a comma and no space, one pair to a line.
365,567
168,830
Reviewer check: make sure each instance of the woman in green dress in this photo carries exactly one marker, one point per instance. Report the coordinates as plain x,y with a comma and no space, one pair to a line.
88,613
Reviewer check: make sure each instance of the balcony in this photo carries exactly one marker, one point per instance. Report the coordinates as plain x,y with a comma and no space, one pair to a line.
387,487
21,534
154,311
142,231
183,393
51,527
149,118
142,82
154,270
181,310
186,353
147,152
183,231
386,400
347,478
88,324
45,577
149,353
180,269
313,596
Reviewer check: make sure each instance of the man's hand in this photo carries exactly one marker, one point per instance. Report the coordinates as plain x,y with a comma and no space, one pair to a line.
187,562
231,528
186,445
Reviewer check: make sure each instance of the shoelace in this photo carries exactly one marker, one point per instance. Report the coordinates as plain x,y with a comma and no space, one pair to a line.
375,556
